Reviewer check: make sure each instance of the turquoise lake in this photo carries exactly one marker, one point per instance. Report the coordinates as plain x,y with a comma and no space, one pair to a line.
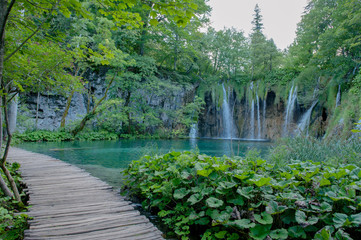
106,159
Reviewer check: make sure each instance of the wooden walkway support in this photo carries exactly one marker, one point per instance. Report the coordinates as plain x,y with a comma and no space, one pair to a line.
68,203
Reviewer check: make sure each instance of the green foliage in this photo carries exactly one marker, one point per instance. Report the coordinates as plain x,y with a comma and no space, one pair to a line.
244,198
58,136
12,224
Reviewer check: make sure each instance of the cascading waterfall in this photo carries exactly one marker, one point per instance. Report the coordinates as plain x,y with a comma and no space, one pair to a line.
291,104
252,121
258,119
304,124
264,118
194,131
228,129
338,98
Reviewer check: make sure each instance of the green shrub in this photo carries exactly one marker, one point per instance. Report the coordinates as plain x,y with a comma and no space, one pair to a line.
248,198
12,224
59,136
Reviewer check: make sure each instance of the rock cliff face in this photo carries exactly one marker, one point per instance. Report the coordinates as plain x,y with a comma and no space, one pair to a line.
44,111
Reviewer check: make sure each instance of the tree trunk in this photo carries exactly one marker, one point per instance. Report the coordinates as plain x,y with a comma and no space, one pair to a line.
66,111
37,111
5,188
3,18
6,151
176,51
126,105
90,115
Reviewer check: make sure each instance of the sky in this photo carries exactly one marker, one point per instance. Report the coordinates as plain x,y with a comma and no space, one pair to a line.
280,17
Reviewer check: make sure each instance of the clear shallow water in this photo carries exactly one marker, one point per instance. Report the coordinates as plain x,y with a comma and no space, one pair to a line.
105,159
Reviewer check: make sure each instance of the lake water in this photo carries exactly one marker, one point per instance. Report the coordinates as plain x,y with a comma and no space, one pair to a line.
106,159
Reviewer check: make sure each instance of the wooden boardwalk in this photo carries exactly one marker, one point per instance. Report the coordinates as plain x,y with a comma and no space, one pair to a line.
67,203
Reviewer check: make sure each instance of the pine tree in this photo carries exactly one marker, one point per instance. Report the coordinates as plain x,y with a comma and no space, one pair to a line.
257,20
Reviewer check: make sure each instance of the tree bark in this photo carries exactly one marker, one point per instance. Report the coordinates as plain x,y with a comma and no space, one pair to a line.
90,115
5,155
126,105
37,111
5,188
66,111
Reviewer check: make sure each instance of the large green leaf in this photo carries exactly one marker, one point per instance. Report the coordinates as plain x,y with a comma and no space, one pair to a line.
297,232
214,202
356,219
246,192
342,235
260,232
279,234
180,193
227,185
265,218
195,198
340,220
274,208
242,223
301,218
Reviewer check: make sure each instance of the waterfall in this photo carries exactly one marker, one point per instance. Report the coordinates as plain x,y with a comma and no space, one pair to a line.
338,98
228,130
291,103
258,119
264,118
194,131
252,120
305,121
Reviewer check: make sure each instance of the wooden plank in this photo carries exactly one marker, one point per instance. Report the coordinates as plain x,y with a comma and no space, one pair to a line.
68,203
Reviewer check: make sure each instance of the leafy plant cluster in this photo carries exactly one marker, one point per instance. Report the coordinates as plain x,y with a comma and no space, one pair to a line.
248,198
12,224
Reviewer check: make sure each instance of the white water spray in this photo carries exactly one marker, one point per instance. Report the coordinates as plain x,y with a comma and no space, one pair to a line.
194,131
258,119
291,104
338,98
228,129
304,124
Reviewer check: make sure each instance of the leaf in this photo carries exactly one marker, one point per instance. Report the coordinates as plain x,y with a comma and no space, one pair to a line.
214,202
301,218
356,219
246,192
297,232
234,236
265,218
195,198
342,235
261,181
180,193
153,22
324,234
237,201
273,208
324,182
260,232
204,172
220,216
227,185
221,234
340,220
242,223
279,234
